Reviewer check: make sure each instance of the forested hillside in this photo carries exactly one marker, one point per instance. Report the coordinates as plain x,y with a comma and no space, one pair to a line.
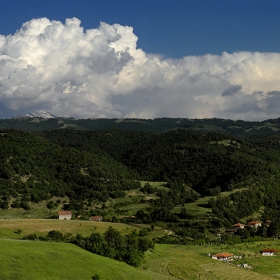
203,161
238,128
34,169
94,168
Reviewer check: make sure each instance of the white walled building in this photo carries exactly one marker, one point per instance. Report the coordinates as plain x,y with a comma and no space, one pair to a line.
65,215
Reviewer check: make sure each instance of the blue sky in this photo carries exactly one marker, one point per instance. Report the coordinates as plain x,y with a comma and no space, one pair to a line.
140,58
174,28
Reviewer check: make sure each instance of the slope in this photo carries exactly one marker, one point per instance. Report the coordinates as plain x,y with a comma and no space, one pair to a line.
24,260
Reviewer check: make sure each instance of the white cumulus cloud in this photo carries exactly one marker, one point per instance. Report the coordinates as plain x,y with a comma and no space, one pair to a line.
72,72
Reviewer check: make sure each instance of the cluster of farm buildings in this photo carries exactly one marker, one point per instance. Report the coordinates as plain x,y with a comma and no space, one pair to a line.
67,215
224,256
252,224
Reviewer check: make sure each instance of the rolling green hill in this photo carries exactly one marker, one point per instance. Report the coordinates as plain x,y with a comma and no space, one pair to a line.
20,260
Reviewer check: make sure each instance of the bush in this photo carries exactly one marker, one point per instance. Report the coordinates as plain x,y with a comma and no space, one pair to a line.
30,237
55,235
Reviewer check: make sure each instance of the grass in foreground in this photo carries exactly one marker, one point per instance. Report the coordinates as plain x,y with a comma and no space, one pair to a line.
22,260
27,260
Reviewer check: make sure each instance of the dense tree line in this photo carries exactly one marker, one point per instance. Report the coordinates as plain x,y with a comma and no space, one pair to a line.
129,248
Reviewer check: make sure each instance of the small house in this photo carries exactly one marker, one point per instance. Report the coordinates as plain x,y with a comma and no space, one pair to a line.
224,256
96,218
65,215
238,226
254,224
268,252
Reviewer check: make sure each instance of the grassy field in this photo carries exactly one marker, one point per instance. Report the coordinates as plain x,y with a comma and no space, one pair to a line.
34,260
20,260
198,209
39,260
27,260
8,228
192,262
36,211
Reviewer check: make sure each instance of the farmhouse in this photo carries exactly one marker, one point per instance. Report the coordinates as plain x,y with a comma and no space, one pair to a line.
96,218
64,215
255,224
268,252
223,256
238,226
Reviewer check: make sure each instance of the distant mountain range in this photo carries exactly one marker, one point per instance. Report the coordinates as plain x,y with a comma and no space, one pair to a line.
42,120
38,114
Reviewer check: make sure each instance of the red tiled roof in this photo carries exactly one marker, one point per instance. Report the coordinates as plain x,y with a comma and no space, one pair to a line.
64,213
254,222
269,250
238,225
223,255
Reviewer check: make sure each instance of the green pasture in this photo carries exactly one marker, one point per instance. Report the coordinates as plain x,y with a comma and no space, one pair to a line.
49,260
193,262
36,211
9,228
29,260
132,208
198,208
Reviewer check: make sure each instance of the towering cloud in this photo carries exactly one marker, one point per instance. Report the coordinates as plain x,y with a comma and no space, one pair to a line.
72,72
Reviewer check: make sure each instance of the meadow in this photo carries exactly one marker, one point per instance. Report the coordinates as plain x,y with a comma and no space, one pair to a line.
22,260
199,209
193,262
9,228
48,260
27,260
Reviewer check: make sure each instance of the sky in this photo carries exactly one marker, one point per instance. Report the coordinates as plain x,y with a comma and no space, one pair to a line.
140,58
